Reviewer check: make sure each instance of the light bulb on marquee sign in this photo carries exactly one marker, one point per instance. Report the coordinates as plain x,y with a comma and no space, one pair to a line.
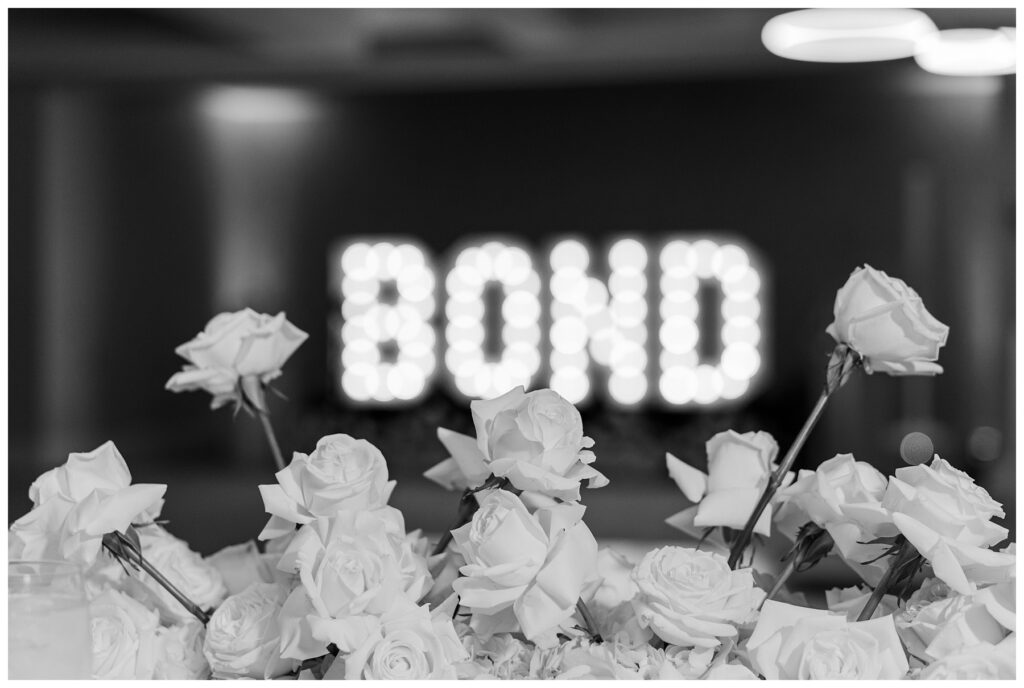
511,319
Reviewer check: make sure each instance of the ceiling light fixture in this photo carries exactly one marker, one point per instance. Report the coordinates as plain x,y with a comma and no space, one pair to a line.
846,35
969,52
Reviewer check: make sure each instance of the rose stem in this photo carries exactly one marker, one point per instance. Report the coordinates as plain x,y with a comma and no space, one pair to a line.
781,580
268,430
906,554
588,620
136,557
776,480
467,507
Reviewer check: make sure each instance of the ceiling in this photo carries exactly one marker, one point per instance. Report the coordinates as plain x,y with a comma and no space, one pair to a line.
407,47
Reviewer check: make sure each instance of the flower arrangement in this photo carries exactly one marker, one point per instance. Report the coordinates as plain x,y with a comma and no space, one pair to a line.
335,586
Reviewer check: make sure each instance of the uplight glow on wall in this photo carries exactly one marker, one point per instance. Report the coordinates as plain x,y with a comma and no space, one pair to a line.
582,320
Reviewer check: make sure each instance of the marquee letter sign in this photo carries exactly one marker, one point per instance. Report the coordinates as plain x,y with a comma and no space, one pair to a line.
507,319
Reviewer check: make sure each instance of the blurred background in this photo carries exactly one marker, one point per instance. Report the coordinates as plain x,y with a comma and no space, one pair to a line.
167,165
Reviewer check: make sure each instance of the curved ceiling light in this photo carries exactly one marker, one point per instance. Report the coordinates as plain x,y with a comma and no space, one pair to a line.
846,35
969,52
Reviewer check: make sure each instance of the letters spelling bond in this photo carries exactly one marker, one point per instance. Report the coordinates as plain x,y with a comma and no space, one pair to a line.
391,321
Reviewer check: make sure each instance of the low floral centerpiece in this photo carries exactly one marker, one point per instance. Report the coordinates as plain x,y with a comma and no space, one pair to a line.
336,586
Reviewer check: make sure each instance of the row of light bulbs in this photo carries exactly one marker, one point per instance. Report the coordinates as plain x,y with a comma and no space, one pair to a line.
869,35
388,301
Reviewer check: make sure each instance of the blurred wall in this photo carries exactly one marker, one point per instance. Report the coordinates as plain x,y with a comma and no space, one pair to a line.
136,215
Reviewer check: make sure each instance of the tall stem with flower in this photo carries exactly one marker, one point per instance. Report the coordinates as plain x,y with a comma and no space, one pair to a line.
880,324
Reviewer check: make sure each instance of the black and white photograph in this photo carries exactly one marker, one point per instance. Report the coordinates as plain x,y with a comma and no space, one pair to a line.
519,343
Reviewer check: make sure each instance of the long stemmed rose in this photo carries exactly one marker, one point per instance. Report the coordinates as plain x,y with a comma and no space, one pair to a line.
881,325
88,505
234,358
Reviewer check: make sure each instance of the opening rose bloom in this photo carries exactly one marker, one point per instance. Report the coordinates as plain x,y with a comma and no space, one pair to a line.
243,639
534,439
797,643
232,346
197,579
947,517
691,598
351,567
407,642
739,467
523,571
76,504
843,496
885,321
341,473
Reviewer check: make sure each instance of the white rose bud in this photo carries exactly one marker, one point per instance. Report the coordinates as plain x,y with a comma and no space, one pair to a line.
235,345
242,637
885,321
797,643
691,598
124,637
342,473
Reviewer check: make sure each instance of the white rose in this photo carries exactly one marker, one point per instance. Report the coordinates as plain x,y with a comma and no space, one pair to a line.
791,643
523,569
234,345
124,641
243,639
242,565
534,439
885,321
843,496
977,663
691,598
186,570
341,473
407,642
739,468
945,515
851,601
350,566
80,502
934,628
180,653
